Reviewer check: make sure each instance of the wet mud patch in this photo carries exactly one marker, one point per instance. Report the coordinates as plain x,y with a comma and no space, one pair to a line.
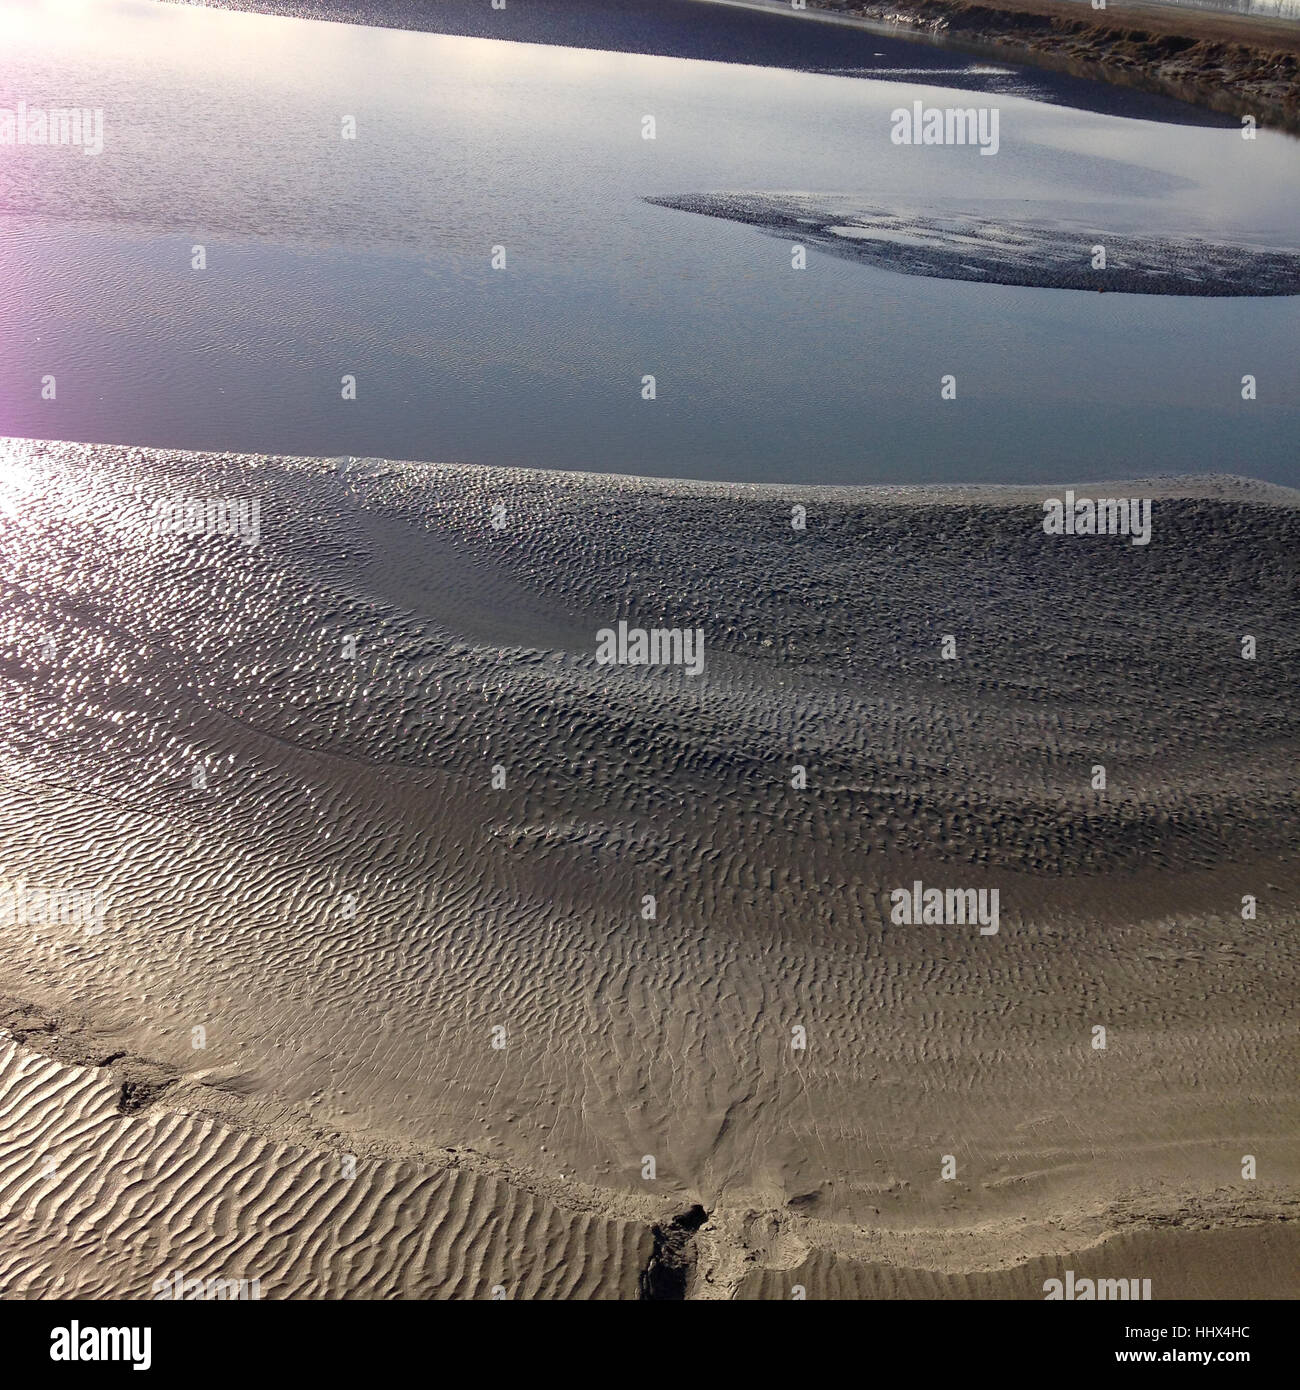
1001,251
667,1275
67,1038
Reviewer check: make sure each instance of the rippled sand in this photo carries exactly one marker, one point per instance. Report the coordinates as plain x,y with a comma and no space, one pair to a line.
348,907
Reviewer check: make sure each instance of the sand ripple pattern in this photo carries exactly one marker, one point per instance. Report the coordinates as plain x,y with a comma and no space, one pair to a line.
352,912
98,1204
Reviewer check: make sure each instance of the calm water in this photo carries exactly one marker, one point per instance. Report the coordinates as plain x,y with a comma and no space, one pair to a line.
372,258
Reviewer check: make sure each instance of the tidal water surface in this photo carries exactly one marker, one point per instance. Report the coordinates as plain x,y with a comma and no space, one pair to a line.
372,258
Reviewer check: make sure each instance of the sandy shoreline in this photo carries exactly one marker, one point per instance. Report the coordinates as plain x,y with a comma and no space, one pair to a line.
348,907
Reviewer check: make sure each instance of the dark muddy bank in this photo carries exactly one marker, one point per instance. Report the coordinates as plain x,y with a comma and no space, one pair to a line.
1233,64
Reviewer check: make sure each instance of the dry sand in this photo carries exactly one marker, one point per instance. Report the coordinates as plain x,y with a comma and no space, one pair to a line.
349,907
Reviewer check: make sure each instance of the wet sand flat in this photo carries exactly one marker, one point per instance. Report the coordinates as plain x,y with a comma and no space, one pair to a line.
1003,251
374,833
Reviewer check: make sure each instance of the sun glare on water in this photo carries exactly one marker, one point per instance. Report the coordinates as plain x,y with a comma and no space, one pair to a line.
14,483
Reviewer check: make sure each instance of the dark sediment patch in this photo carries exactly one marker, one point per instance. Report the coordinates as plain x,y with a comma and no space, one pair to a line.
142,1087
667,1275
69,1039
1044,255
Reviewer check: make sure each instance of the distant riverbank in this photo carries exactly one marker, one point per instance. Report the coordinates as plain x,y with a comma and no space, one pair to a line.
1227,63
1232,63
